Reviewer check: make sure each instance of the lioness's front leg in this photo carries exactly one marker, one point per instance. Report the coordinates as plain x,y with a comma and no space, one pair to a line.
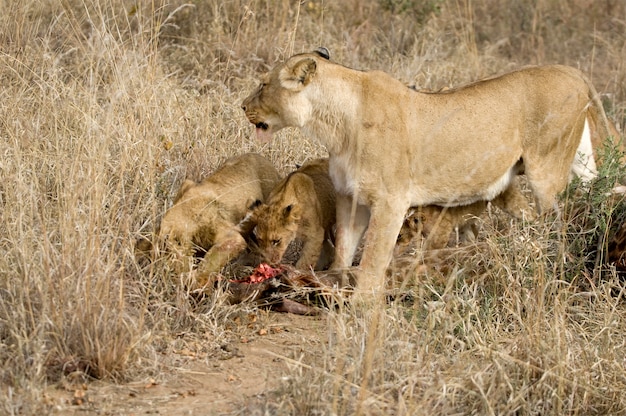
384,227
350,228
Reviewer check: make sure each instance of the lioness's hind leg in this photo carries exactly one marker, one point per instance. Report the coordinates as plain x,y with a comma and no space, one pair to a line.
547,180
548,167
545,190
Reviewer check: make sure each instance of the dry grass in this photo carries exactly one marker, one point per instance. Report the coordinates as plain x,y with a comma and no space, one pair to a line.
106,106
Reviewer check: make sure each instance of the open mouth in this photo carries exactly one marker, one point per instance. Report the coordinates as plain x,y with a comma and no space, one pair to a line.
263,132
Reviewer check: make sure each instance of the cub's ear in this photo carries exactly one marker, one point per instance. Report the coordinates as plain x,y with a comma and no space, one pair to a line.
254,205
143,248
247,224
184,188
287,210
291,213
297,74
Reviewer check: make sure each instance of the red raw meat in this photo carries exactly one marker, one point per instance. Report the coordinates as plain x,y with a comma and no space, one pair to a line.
261,273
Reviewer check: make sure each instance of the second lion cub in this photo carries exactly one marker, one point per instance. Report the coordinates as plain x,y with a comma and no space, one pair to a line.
301,206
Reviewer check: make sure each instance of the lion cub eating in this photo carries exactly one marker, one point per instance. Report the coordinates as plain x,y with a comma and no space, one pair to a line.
205,216
301,206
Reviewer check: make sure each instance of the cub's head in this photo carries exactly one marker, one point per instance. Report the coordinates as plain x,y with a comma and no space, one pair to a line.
411,227
175,241
181,236
187,230
276,227
280,100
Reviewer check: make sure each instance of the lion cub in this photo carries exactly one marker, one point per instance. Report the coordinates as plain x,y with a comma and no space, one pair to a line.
434,224
203,222
301,206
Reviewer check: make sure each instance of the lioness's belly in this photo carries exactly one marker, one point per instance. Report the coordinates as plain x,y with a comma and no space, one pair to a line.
463,191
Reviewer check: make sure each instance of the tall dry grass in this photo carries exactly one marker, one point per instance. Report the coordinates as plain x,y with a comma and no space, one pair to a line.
106,106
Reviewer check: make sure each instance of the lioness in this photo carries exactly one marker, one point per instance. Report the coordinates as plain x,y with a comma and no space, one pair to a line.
301,206
205,216
392,148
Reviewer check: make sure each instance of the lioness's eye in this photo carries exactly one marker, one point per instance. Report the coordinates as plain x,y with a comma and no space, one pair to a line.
275,242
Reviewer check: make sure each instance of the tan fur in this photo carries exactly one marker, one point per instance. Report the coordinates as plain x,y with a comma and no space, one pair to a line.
301,206
434,224
205,215
392,148
616,249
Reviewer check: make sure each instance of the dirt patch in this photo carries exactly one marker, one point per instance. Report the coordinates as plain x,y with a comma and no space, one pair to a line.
195,385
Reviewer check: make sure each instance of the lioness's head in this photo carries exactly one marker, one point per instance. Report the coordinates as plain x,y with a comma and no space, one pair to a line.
277,102
276,227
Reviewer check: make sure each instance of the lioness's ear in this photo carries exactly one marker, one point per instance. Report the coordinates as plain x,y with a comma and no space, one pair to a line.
323,52
297,75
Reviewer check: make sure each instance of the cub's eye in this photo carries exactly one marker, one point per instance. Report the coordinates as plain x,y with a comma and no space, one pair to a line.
275,242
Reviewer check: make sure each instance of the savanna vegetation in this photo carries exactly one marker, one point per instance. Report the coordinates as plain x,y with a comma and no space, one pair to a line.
106,106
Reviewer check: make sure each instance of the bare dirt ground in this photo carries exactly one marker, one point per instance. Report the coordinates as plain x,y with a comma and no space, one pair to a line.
236,382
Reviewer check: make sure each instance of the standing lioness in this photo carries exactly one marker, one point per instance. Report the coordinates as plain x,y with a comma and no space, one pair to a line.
392,148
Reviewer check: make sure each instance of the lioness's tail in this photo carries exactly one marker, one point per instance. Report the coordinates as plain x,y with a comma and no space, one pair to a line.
599,124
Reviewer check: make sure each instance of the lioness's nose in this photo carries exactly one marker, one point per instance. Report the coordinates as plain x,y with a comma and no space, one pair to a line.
243,106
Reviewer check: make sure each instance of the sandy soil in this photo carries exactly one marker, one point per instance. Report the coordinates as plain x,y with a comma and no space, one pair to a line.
231,384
